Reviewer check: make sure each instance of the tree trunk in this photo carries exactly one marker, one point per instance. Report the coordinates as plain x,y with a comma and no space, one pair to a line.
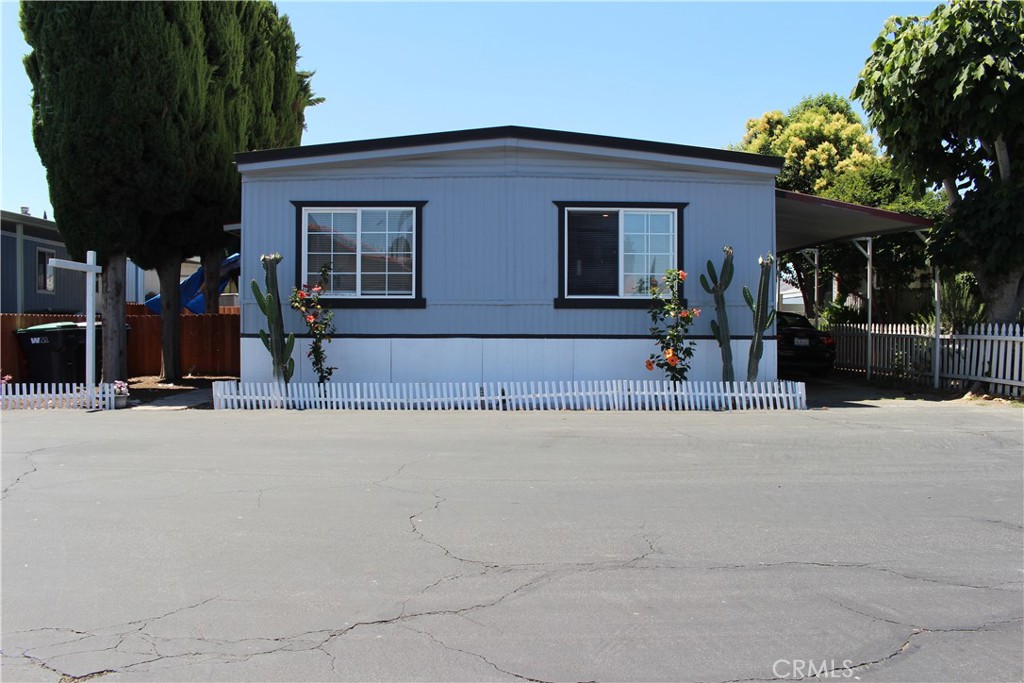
115,357
169,272
1003,295
806,288
211,259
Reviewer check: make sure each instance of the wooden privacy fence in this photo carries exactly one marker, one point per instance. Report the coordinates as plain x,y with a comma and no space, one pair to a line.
585,395
34,396
987,352
209,343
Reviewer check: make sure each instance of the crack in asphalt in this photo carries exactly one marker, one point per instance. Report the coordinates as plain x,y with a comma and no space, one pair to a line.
435,639
319,640
66,677
28,459
1012,526
27,455
929,629
846,565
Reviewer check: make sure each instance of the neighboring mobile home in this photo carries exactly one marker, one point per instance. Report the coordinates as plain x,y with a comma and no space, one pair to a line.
503,253
27,243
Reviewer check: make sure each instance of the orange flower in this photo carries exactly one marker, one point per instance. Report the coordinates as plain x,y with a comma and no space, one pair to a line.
650,364
310,318
682,276
301,294
670,353
684,314
673,361
317,288
696,312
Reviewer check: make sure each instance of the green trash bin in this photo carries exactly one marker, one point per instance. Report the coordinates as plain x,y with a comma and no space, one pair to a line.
56,351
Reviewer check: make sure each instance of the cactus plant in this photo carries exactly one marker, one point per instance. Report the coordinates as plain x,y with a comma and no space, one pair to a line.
720,327
277,344
763,318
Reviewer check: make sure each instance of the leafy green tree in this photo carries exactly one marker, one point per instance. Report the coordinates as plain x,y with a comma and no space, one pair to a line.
108,80
139,109
257,100
900,259
946,94
820,138
169,235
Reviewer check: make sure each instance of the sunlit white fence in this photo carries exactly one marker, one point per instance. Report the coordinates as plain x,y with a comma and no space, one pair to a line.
586,395
34,396
989,353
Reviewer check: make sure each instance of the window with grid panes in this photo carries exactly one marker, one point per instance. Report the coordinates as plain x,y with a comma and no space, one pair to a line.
370,250
618,252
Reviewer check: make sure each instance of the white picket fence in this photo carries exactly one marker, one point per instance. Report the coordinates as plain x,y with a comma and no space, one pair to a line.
553,395
33,396
988,352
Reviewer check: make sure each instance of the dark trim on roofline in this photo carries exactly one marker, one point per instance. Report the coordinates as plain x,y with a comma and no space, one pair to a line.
497,132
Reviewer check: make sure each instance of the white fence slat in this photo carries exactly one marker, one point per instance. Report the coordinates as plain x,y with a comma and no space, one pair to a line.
587,395
992,353
58,395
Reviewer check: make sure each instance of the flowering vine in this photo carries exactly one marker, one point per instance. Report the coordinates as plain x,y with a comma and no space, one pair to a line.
670,323
319,321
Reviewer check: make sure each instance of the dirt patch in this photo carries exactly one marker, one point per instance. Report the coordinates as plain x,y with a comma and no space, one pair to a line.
150,388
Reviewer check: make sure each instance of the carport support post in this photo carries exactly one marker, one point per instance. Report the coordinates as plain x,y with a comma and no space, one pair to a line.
937,332
91,270
869,252
937,341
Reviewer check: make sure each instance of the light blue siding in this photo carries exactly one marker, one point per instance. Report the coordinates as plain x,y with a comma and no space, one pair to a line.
69,287
490,236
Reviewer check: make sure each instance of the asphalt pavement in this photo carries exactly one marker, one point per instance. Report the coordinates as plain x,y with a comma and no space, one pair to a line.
870,539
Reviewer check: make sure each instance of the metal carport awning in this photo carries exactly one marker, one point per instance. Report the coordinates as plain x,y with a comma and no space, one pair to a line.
804,221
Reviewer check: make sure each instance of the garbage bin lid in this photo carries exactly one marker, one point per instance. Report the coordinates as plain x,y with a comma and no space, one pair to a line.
49,326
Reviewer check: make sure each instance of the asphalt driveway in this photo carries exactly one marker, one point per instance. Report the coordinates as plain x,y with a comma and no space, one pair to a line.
872,540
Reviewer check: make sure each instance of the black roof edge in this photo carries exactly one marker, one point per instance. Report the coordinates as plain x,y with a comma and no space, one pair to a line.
538,134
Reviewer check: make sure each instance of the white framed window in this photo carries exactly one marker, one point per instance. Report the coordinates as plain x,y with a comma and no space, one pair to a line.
372,250
616,251
44,280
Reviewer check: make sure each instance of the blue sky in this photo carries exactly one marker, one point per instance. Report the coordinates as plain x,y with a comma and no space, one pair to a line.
690,73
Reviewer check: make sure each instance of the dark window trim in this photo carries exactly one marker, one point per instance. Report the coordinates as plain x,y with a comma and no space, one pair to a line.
563,301
416,301
45,289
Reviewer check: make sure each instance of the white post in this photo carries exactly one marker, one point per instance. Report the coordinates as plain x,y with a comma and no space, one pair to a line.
937,332
937,341
871,298
90,321
91,270
817,279
869,253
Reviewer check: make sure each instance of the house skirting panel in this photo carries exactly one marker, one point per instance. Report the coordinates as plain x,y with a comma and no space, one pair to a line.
472,359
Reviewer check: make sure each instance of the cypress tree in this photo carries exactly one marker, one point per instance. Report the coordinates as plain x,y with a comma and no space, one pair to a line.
102,124
139,109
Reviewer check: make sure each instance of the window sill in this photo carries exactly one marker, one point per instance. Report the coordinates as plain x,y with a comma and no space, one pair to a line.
639,303
368,302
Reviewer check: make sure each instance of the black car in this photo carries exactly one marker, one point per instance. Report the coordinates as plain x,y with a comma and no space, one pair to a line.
801,347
